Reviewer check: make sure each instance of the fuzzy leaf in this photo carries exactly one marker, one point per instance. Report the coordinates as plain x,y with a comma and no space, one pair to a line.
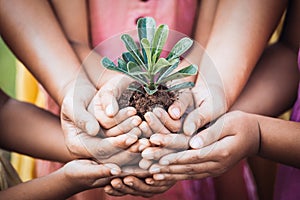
180,48
181,86
159,41
149,91
128,57
185,72
166,71
160,64
146,29
122,64
147,49
133,49
107,63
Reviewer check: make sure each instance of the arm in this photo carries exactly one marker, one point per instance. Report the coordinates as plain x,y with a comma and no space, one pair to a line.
74,177
231,56
21,122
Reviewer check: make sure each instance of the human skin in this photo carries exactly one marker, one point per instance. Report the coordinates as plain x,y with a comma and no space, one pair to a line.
17,133
278,64
38,42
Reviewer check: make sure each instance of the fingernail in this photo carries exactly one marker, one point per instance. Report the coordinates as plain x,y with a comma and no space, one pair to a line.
190,129
155,139
149,181
164,162
129,184
114,171
196,142
159,177
154,170
157,112
131,111
91,128
109,109
135,121
131,140
176,112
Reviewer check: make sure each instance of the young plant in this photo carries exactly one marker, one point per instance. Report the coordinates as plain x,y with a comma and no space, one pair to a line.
145,65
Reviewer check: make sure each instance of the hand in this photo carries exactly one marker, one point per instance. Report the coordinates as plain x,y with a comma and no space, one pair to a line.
88,174
137,187
215,149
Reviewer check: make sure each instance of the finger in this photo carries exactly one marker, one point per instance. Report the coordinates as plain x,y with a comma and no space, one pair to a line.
155,124
124,126
118,185
140,145
145,163
152,182
155,153
107,100
193,156
104,148
197,168
173,125
210,135
80,116
109,122
146,130
179,177
122,158
178,108
111,191
142,187
172,141
210,104
134,171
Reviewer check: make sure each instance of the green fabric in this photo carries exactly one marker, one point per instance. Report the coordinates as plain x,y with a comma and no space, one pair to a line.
7,70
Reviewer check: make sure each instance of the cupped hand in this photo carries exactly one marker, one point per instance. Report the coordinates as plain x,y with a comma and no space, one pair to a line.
216,149
90,174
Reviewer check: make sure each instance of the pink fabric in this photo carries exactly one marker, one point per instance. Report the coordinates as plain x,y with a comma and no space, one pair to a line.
287,185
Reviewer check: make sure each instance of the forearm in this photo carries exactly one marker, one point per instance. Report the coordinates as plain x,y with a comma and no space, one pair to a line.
237,40
53,186
79,39
30,130
272,87
32,32
279,140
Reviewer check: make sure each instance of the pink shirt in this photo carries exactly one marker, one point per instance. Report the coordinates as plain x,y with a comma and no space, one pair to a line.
111,17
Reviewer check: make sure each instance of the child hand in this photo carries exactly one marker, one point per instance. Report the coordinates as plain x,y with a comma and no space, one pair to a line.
215,149
87,174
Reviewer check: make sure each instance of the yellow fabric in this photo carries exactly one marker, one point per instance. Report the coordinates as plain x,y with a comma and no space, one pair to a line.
27,89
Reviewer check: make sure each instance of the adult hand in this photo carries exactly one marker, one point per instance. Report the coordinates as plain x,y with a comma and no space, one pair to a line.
215,149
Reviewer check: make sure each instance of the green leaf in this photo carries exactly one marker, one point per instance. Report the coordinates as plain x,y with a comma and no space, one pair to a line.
133,49
159,41
128,57
181,86
180,48
146,29
166,71
185,72
147,49
160,65
122,64
107,63
149,91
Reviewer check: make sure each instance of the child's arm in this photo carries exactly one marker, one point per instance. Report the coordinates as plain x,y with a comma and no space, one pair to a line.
74,177
30,130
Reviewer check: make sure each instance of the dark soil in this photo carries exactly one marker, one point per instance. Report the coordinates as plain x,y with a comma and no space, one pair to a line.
144,102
